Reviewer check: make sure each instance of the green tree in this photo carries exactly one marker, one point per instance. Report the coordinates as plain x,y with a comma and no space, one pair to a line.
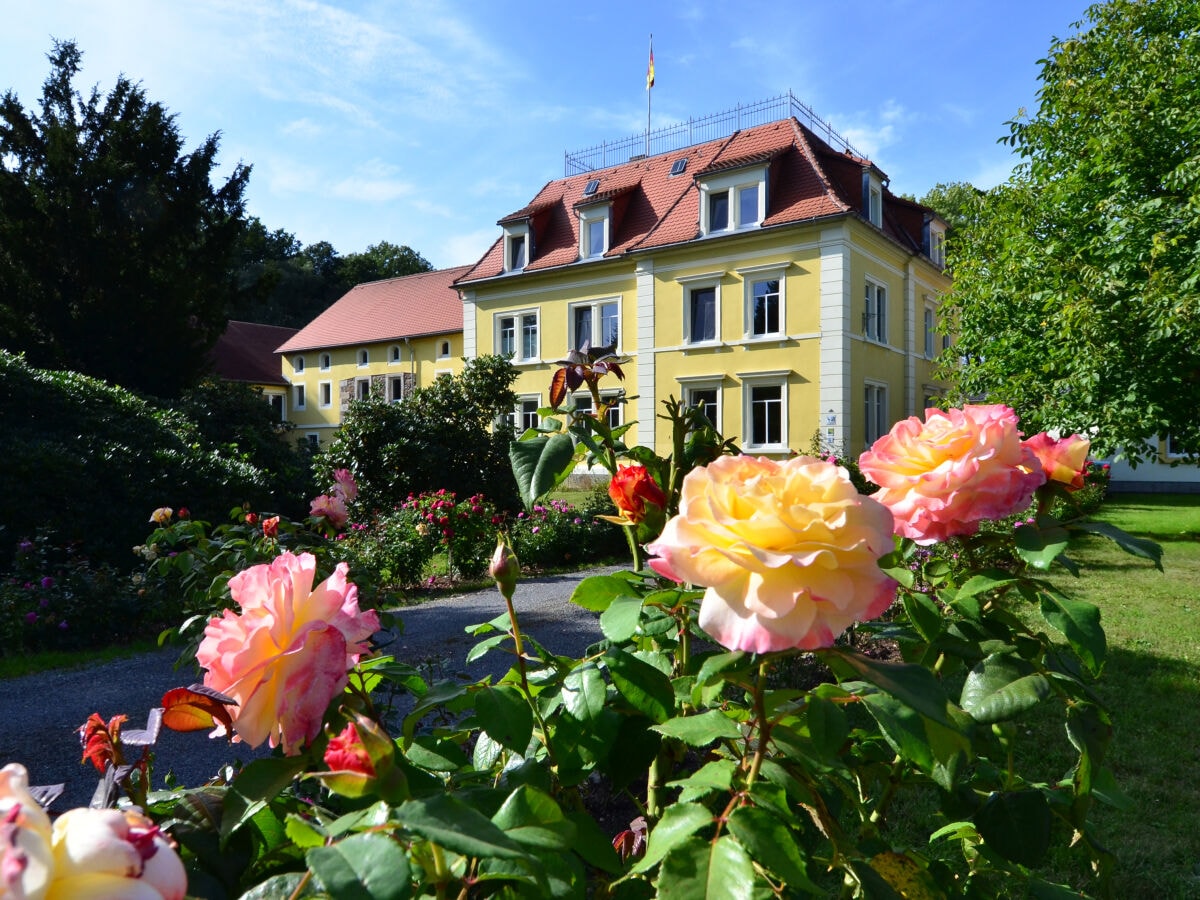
1075,289
957,202
115,246
441,437
382,260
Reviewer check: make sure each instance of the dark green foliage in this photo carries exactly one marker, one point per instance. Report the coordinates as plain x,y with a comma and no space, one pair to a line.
441,437
556,534
282,283
116,246
235,418
86,463
1075,289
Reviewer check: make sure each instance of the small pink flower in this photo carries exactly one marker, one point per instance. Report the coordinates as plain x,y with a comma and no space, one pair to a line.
332,508
344,485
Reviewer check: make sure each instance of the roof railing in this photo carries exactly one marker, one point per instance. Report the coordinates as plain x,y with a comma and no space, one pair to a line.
698,130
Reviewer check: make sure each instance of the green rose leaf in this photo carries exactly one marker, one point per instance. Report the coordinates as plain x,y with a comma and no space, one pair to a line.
1040,546
539,464
912,685
584,691
449,822
505,715
363,867
260,781
1133,545
531,817
771,845
620,621
700,730
1016,824
647,689
1079,622
697,869
598,591
678,823
1001,687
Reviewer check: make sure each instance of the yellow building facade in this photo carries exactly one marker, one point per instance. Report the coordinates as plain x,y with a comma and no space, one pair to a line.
765,276
382,339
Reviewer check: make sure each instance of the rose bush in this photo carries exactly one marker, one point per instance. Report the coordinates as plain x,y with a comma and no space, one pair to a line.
788,551
942,476
285,655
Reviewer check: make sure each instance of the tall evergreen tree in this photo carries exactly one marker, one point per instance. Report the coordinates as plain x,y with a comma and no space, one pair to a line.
115,246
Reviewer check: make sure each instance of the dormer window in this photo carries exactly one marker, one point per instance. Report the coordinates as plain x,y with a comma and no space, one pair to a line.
873,198
516,247
937,244
733,201
594,231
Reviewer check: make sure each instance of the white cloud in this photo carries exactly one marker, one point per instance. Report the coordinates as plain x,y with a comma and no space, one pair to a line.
373,182
872,133
467,247
303,128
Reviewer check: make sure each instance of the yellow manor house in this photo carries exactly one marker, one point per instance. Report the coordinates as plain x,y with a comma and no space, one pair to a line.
763,274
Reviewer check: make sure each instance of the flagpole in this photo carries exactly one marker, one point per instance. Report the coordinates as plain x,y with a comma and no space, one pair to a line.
649,85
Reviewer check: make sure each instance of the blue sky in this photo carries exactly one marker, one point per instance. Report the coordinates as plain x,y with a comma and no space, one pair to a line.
422,122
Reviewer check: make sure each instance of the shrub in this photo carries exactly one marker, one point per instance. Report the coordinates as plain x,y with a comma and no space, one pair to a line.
93,460
556,534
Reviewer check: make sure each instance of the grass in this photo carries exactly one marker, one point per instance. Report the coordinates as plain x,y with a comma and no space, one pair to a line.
32,663
1151,684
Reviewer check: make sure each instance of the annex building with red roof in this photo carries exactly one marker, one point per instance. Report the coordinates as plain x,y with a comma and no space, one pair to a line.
765,272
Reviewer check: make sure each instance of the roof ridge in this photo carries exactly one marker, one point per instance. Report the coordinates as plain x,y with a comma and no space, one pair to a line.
807,150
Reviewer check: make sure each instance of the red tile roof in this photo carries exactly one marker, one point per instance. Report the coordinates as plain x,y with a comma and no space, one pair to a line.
246,352
395,308
652,208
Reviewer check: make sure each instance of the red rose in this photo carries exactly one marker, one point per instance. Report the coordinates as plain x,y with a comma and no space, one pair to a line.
635,493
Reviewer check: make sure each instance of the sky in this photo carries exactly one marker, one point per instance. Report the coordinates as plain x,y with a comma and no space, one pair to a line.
423,122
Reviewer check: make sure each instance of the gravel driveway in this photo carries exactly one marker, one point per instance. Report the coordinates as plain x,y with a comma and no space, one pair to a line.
42,712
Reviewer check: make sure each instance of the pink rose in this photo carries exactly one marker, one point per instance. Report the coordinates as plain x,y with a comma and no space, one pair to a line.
941,477
285,656
344,485
1063,460
788,550
333,508
114,853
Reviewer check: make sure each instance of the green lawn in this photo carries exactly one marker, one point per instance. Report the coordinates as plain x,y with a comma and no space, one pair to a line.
1152,685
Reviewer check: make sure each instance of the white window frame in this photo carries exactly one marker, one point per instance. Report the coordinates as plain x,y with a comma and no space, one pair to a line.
519,416
757,275
733,183
325,362
359,392
519,316
613,416
313,438
937,244
324,394
364,357
298,397
596,307
445,348
391,388
690,385
298,365
875,411
691,283
875,309
930,331
873,199
513,234
749,384
280,398
394,355
595,215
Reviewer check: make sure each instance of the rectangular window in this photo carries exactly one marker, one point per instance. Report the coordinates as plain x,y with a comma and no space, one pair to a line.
517,336
718,211
875,313
764,308
875,414
702,315
612,416
930,327
529,415
596,325
299,397
747,205
766,414
876,207
595,237
325,394
396,389
1175,446
706,399
314,439
516,252
276,401
362,388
